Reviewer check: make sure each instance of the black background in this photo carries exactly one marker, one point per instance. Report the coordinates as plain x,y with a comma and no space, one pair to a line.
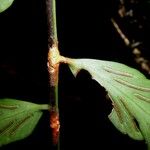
84,31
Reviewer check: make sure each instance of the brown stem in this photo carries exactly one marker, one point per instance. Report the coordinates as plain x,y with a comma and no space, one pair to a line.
51,22
53,69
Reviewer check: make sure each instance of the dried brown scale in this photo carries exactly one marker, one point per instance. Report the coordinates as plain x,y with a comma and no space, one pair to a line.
55,126
53,69
53,64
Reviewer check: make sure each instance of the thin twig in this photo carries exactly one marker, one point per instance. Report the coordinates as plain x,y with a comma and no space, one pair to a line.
144,63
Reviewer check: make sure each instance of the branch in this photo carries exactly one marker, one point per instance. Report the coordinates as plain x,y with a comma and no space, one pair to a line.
144,63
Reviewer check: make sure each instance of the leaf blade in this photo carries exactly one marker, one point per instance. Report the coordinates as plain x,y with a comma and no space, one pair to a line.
5,4
130,94
17,119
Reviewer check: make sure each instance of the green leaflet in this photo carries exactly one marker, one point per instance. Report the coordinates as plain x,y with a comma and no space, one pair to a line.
129,91
4,4
18,119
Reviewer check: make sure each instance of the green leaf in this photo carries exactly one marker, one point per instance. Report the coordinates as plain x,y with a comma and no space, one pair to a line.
4,4
129,91
18,119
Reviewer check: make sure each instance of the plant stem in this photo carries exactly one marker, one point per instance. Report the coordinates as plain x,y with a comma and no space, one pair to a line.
53,68
51,22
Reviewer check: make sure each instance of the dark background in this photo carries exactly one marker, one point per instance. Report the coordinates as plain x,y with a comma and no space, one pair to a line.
84,31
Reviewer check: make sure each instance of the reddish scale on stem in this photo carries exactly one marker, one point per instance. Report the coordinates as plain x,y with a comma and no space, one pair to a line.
53,68
55,126
54,59
53,64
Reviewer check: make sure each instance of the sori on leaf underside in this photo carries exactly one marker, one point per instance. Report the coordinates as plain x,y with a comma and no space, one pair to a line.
18,119
128,89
